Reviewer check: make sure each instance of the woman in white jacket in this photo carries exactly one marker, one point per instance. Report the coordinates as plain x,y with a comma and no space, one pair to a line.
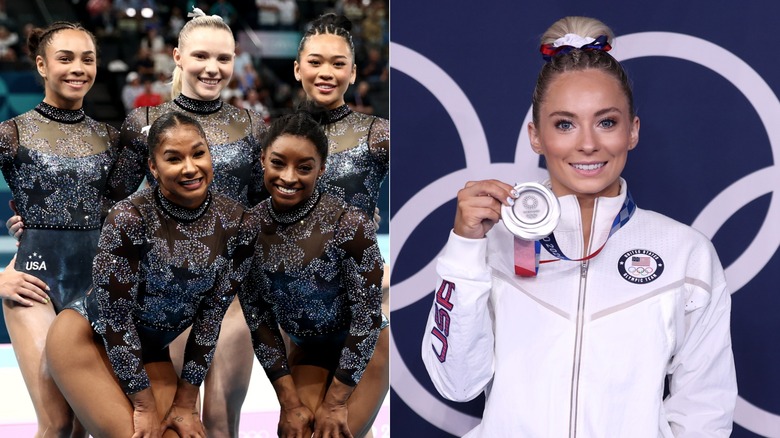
625,331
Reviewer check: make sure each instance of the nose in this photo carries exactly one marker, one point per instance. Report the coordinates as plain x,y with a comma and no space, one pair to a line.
77,67
211,67
325,72
188,166
588,140
288,175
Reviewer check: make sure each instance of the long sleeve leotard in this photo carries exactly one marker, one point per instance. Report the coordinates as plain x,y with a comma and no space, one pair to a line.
61,168
317,272
359,157
161,268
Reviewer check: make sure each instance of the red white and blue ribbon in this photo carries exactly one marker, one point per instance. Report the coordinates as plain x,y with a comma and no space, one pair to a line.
527,253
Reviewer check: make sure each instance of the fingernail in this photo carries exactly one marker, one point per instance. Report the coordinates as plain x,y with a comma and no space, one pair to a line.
510,201
514,193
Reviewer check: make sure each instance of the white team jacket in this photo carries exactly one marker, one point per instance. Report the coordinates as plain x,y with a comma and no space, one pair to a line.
584,348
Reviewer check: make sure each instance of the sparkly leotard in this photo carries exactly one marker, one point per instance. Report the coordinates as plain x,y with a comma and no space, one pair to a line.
359,157
161,268
60,167
317,272
234,136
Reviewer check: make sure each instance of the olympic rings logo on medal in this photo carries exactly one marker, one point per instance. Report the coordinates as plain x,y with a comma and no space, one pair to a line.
640,266
530,202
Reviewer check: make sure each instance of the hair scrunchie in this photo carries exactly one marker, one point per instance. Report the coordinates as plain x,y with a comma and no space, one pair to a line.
571,41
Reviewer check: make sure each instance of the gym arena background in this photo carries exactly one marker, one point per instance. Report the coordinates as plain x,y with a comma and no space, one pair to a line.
706,78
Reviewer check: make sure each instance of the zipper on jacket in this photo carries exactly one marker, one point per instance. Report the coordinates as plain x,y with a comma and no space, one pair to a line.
575,375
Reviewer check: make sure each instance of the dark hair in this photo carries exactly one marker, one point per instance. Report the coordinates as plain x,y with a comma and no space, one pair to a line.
165,123
576,60
305,122
40,38
329,24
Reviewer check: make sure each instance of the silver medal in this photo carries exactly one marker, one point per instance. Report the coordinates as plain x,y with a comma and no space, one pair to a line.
535,214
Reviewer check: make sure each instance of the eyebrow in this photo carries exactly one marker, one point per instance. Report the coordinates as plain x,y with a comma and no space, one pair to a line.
71,52
169,150
598,113
323,56
283,156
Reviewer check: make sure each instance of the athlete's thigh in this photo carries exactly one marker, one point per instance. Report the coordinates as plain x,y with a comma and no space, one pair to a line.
366,400
80,367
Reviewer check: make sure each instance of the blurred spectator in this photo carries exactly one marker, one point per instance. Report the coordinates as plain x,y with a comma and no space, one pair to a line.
247,78
267,14
144,63
163,85
147,97
374,27
8,42
236,100
374,69
153,40
233,89
252,102
104,21
241,59
175,23
288,14
352,9
224,9
6,19
24,51
163,60
131,90
360,100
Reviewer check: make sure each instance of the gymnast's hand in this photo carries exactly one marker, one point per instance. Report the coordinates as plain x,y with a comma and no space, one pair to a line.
185,421
146,422
22,288
330,421
14,223
295,422
479,207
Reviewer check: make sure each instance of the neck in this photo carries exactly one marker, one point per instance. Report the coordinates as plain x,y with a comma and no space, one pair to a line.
63,104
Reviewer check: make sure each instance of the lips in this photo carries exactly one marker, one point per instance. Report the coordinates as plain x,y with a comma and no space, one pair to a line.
211,82
325,87
287,190
588,167
192,184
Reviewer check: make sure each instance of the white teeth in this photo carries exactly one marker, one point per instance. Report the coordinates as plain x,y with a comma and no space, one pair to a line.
592,166
329,87
287,191
190,182
210,81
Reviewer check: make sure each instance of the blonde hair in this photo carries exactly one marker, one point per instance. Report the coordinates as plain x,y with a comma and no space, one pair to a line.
199,20
582,26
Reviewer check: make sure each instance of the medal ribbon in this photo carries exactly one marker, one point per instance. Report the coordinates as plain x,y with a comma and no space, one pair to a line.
527,253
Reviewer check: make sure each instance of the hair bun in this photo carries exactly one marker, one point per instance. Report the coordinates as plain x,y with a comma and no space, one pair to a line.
317,112
333,19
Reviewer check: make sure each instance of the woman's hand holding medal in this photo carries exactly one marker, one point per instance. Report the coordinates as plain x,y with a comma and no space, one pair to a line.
479,206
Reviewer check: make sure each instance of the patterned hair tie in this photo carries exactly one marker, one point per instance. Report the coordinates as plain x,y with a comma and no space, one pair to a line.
571,41
198,12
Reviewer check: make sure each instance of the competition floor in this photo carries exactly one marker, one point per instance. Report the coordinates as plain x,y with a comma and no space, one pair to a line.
258,419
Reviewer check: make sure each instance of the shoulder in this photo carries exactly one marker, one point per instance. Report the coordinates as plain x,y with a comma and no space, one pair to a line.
128,212
656,223
349,217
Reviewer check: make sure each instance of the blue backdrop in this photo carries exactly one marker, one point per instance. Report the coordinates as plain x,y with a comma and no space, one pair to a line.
706,77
